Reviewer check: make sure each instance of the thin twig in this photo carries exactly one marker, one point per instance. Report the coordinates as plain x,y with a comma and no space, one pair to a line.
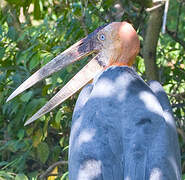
178,96
50,169
155,7
179,105
174,36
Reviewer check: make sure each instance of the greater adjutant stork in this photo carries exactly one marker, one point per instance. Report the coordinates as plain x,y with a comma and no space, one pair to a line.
122,127
114,44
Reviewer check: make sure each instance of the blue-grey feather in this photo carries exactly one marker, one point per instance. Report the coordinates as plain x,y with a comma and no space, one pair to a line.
121,130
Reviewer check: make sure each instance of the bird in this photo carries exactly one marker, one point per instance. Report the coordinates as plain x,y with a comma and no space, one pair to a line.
123,128
114,44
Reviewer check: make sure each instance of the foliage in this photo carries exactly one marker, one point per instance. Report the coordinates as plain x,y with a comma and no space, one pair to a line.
32,32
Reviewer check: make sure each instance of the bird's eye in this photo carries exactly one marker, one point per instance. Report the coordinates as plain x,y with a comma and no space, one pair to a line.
102,37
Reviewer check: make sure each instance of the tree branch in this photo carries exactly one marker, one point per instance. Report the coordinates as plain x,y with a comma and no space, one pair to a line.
179,105
150,43
174,36
50,169
179,96
154,7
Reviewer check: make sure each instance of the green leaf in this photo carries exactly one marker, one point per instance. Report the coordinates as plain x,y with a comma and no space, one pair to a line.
65,175
2,52
43,152
57,119
33,175
55,153
29,130
2,163
69,68
46,57
20,134
26,97
21,177
22,57
61,142
34,105
45,89
35,60
15,145
141,65
6,175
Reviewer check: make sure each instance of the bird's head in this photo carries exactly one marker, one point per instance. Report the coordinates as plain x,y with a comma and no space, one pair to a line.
117,43
114,44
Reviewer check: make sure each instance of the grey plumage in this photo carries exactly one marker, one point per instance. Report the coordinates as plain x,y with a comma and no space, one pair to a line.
123,128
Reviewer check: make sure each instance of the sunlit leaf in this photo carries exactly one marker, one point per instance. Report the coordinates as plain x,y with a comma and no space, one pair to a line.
64,176
61,142
57,119
21,177
6,175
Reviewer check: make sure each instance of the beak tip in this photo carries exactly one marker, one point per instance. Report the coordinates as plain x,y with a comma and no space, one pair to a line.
28,121
33,118
14,94
9,98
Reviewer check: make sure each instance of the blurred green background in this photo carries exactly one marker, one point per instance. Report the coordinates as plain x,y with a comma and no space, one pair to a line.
32,32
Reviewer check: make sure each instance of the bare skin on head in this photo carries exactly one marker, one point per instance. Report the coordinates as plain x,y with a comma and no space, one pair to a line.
121,45
114,44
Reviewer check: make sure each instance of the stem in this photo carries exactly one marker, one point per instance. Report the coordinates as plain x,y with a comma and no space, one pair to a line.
150,43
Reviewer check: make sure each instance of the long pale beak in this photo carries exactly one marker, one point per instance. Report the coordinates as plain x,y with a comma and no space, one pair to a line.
79,50
72,54
78,81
